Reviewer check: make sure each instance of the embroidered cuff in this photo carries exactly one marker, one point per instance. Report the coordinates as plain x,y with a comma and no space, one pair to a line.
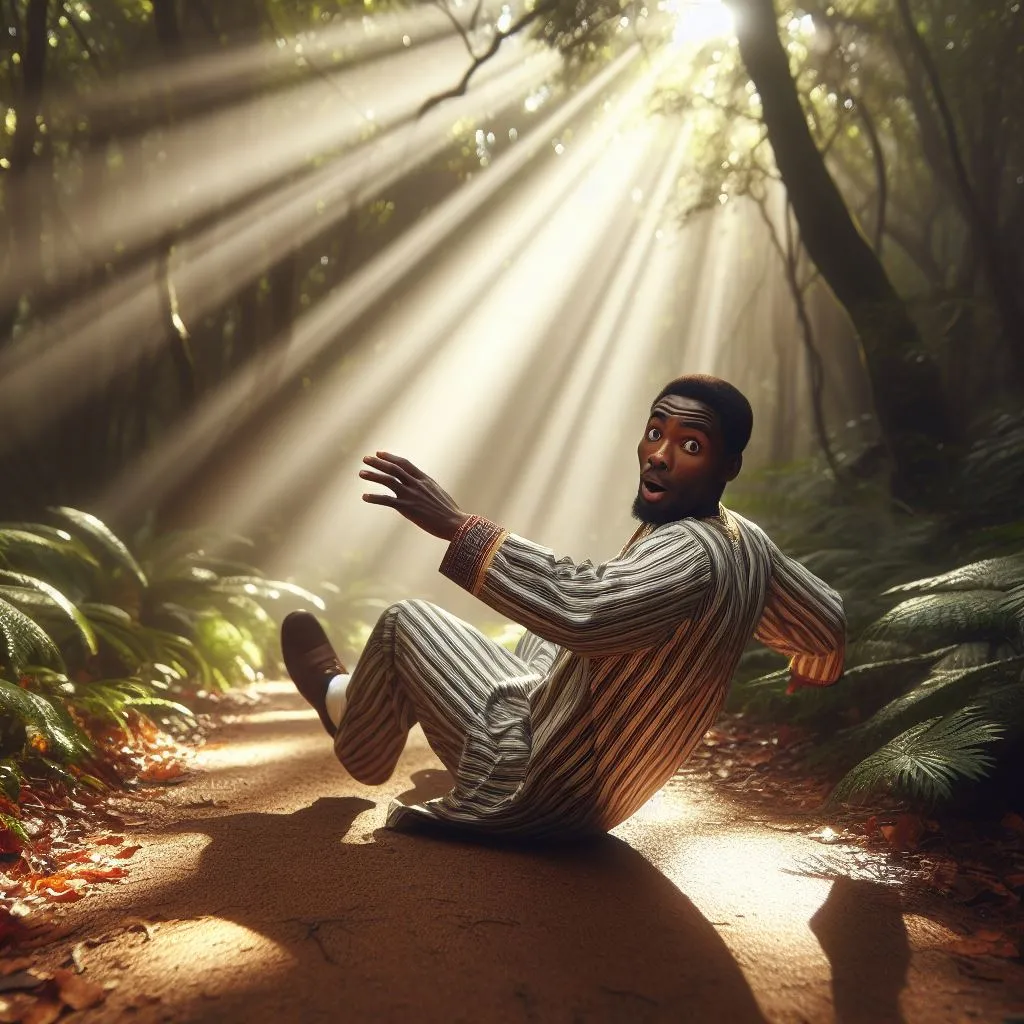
471,551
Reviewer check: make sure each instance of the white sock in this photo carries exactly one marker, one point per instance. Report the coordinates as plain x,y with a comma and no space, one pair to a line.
336,699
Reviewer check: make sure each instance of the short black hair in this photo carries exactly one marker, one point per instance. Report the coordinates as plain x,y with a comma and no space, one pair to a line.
734,412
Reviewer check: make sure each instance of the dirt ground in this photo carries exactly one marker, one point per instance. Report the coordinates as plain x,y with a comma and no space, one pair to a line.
266,889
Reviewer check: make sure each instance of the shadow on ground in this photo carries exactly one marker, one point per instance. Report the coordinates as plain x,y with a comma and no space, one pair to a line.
860,928
405,927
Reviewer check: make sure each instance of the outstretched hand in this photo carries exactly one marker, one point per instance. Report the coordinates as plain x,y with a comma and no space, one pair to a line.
416,496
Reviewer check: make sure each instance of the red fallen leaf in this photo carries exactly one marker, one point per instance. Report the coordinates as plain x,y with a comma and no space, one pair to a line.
1015,881
905,834
108,841
1013,822
985,942
78,992
871,827
98,874
58,883
18,964
128,851
43,1011
61,896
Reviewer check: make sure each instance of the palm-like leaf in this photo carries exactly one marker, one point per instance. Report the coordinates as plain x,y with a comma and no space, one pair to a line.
949,618
105,540
29,585
989,574
49,721
256,586
924,761
24,638
939,694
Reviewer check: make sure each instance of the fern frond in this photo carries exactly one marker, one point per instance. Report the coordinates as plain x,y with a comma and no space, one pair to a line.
949,618
49,721
988,574
923,762
30,584
939,694
24,637
256,586
105,540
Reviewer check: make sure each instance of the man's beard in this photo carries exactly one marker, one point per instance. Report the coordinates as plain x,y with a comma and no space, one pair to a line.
656,515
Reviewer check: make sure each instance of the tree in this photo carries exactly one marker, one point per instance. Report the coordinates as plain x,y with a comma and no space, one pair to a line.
909,397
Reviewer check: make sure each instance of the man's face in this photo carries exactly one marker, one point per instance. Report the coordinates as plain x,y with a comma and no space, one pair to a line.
683,462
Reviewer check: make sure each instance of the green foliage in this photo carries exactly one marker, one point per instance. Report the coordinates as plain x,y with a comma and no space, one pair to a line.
924,762
935,666
92,634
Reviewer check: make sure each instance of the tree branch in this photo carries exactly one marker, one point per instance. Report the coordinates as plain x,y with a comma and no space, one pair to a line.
77,29
525,21
442,6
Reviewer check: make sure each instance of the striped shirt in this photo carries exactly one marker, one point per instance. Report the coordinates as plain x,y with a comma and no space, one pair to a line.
629,664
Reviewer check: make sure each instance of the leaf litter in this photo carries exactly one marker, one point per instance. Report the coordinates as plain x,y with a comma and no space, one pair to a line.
973,868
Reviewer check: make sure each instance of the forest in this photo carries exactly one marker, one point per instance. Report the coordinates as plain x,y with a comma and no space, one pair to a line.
243,242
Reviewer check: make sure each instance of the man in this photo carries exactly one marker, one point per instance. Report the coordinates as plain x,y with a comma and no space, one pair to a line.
624,666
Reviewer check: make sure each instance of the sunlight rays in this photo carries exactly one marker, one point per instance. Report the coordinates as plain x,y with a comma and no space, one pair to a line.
549,284
322,325
65,352
224,153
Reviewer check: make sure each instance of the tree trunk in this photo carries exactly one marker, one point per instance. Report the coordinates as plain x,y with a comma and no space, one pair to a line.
909,400
983,224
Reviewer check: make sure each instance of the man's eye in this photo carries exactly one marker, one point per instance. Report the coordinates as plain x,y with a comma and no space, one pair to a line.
653,434
691,446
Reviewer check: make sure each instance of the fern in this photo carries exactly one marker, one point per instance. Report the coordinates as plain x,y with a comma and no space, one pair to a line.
989,574
939,694
256,586
105,540
27,586
923,762
949,618
24,637
39,715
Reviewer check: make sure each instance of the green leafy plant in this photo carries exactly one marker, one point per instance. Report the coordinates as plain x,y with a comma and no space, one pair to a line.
90,632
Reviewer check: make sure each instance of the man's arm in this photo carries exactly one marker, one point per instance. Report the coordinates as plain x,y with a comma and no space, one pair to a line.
804,619
629,603
625,604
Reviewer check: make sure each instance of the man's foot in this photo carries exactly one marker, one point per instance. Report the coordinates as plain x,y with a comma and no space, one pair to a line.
310,661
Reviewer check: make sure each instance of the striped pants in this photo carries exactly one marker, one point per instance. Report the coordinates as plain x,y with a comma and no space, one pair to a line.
422,664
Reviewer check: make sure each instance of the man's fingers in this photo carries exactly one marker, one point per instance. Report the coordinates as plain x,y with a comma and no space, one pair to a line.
381,499
381,478
413,471
392,468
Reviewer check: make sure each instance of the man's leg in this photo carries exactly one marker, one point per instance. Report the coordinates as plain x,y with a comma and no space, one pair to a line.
420,664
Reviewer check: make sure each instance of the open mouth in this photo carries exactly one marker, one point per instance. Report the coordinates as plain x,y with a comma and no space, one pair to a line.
652,491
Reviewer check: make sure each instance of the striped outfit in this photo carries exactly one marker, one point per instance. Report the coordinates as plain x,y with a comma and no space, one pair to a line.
623,669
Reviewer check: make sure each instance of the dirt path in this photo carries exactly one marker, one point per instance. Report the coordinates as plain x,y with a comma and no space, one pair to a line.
272,893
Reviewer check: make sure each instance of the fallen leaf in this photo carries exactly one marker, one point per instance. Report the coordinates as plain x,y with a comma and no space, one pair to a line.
1013,822
18,964
78,992
98,874
109,841
43,1011
905,834
128,851
986,942
18,981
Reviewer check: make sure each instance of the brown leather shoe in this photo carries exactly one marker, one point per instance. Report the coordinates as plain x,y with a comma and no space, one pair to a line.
310,660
